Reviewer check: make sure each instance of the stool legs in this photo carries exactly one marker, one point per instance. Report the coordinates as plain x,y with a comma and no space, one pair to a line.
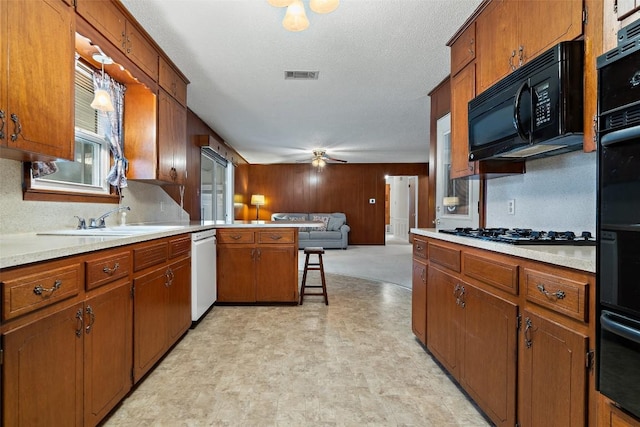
319,266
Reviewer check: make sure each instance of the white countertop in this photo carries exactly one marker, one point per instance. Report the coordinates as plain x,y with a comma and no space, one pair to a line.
24,248
576,257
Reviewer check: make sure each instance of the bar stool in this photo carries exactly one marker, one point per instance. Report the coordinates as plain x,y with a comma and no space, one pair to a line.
313,266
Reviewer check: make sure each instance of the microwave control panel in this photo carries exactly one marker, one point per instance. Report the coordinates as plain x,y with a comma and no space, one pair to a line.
543,104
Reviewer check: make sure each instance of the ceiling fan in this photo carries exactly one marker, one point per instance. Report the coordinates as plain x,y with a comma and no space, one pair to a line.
320,158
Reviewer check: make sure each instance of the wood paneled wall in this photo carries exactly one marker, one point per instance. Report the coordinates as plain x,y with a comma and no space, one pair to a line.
335,188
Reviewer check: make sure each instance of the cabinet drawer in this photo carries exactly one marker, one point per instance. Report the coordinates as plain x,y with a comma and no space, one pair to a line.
235,236
445,257
107,269
276,237
563,295
179,246
463,50
28,293
150,255
498,274
419,248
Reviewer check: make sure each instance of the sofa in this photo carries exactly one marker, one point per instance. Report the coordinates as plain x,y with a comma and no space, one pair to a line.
334,234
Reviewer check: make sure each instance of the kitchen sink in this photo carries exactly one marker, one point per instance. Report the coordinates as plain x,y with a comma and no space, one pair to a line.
124,230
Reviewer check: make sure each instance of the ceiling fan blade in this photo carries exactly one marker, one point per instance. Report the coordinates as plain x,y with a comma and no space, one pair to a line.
334,159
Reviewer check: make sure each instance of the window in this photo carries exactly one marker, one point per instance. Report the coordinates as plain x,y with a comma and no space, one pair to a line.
87,172
215,182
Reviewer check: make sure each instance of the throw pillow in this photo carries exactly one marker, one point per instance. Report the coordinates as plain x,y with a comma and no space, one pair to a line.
335,223
322,218
298,219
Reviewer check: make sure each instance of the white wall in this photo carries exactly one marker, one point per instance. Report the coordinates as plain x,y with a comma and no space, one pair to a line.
17,215
557,193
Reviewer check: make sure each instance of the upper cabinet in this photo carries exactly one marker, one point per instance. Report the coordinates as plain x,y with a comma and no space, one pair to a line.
511,33
124,34
170,80
35,104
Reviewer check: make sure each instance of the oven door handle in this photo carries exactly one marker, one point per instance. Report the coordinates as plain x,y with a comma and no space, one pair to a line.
613,323
620,136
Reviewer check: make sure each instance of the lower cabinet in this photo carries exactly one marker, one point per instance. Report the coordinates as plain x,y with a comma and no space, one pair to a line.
70,367
514,333
474,335
257,265
419,300
162,310
552,374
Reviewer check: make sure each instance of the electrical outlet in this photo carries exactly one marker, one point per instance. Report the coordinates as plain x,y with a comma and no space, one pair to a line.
511,207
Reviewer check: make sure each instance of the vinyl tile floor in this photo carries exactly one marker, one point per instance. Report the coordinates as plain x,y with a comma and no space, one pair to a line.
354,362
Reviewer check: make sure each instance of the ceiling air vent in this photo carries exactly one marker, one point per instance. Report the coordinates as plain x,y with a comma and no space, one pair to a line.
301,75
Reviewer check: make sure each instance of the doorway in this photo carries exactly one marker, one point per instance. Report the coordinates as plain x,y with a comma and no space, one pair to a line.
402,207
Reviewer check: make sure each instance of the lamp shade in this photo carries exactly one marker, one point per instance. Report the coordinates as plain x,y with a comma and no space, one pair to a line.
257,199
102,101
324,6
296,18
280,3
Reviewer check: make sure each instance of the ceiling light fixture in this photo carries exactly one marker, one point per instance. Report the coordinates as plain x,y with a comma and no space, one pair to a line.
296,17
101,99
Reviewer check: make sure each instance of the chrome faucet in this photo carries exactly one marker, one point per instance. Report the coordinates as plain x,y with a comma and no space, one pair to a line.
99,222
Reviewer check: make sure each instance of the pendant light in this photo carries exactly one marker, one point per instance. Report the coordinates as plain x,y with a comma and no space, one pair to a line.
296,18
102,100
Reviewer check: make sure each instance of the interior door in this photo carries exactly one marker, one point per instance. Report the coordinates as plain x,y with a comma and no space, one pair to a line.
456,199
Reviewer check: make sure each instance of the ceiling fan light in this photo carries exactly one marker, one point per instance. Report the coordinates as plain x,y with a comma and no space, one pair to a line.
280,3
296,18
324,6
102,101
321,163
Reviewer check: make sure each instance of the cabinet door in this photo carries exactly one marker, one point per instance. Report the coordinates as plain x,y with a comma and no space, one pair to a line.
39,106
561,20
108,351
105,17
150,325
42,371
141,51
276,274
553,376
443,318
179,299
497,42
463,50
172,129
419,301
236,274
490,340
463,89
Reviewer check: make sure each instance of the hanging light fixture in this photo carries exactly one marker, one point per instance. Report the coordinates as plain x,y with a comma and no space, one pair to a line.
295,18
101,99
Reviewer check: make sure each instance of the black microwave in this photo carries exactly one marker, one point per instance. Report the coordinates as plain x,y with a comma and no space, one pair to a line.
536,111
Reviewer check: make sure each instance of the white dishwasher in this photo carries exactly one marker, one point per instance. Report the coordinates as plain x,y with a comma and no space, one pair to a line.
203,273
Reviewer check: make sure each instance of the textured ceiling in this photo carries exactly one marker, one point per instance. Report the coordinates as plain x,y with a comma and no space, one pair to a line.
377,60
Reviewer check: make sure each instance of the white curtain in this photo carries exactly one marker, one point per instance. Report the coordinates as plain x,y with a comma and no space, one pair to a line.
112,123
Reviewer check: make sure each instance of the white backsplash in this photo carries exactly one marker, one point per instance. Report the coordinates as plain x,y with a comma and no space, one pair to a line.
557,193
148,203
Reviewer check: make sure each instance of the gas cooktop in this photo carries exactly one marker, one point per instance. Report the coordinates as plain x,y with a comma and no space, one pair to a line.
526,236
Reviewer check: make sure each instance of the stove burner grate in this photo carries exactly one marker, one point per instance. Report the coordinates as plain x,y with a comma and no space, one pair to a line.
525,236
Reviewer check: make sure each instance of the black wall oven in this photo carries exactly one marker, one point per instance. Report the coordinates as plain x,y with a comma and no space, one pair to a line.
618,253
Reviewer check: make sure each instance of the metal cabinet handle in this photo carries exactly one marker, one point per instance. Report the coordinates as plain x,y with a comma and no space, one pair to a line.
471,42
275,237
513,55
39,290
460,298
170,276
124,40
110,271
92,316
520,55
550,295
236,237
456,290
80,322
527,332
2,123
17,127
419,248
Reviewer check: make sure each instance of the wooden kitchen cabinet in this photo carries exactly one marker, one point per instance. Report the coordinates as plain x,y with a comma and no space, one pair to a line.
170,80
506,41
162,301
463,90
35,109
514,333
609,415
42,378
110,20
553,374
172,139
419,289
257,265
